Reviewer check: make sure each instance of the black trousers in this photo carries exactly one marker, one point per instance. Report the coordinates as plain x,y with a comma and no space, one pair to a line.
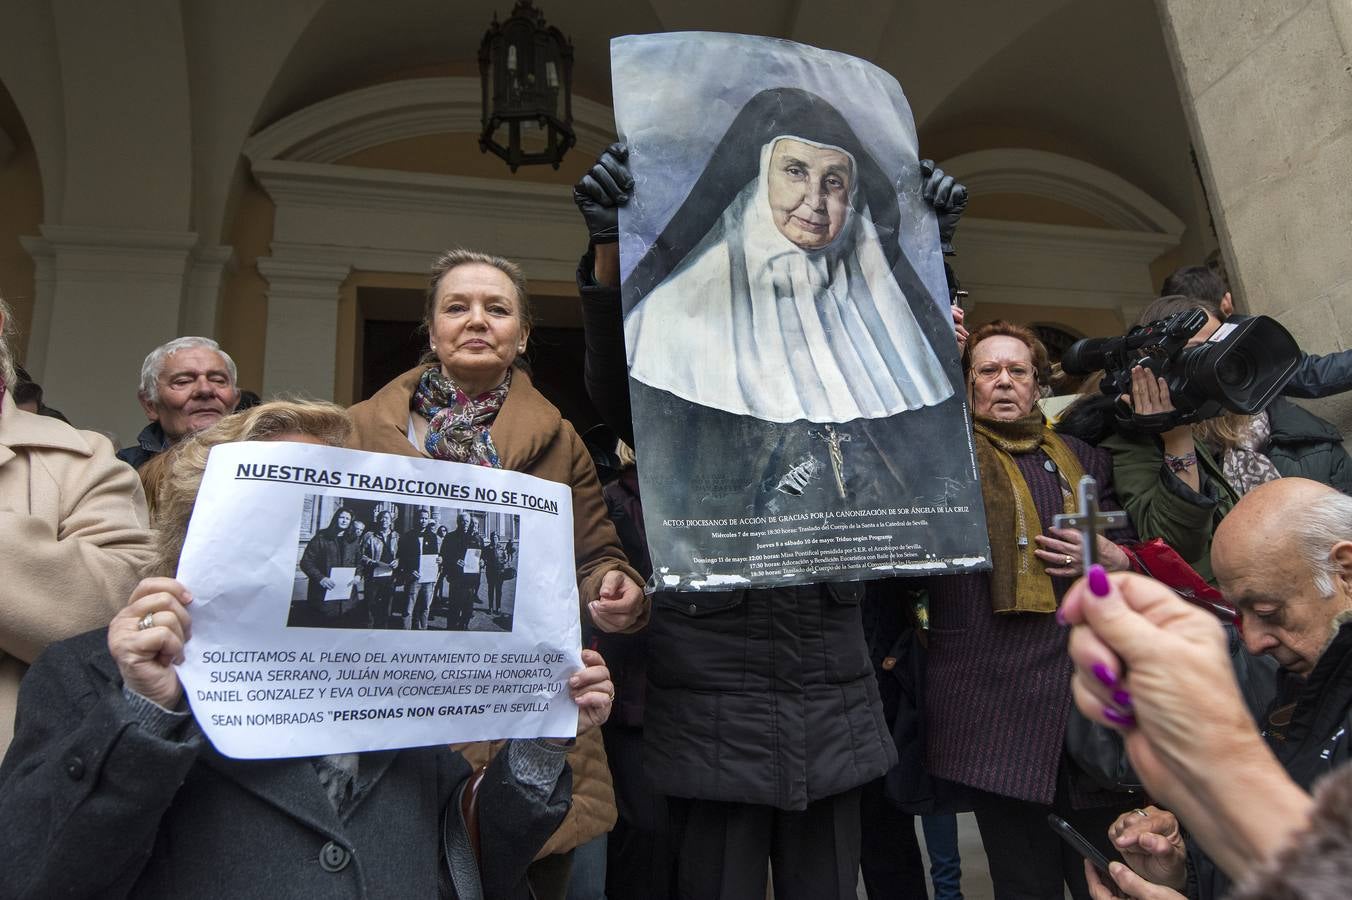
638,854
890,858
722,849
379,601
1029,861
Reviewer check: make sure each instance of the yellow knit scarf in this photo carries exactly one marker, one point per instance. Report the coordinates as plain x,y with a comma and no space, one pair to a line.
1019,581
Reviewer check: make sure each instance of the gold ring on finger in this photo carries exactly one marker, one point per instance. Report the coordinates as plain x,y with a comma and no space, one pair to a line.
147,621
1141,812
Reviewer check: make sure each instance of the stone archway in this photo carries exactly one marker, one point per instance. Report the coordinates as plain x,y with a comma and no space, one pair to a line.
333,219
1020,263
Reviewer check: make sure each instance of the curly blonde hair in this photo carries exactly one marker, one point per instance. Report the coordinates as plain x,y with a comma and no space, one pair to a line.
176,477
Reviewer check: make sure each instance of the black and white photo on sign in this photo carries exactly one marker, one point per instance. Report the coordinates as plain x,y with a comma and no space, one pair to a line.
798,406
364,563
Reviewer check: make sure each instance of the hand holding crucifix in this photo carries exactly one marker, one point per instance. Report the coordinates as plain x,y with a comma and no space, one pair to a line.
1061,549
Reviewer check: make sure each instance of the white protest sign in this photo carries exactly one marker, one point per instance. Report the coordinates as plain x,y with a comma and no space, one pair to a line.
277,669
342,578
427,568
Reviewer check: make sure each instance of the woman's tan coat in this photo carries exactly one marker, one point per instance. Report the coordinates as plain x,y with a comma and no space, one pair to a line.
73,540
531,437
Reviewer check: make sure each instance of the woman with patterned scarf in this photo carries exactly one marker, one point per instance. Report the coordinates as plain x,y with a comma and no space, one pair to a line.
469,402
998,678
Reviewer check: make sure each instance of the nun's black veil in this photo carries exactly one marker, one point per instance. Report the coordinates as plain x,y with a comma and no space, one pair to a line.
736,162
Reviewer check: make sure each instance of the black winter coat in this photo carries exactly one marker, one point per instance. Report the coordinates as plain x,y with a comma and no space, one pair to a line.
1309,728
327,550
1320,376
150,443
754,696
1305,446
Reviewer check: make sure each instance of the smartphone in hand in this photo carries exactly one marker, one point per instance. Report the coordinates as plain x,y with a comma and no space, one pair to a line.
1081,845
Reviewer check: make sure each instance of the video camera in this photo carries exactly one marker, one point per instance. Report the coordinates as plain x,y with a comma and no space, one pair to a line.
1240,368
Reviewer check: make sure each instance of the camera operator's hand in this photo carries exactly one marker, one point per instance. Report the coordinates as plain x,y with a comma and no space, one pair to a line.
1149,397
949,199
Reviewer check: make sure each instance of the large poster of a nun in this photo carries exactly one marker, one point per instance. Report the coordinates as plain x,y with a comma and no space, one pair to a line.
798,408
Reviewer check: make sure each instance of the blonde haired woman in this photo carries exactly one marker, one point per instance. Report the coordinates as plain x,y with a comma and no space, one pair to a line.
110,788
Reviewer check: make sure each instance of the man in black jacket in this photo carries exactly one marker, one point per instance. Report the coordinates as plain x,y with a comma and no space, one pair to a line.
1316,376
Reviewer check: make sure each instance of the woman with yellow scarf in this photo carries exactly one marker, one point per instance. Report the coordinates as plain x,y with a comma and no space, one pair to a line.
998,677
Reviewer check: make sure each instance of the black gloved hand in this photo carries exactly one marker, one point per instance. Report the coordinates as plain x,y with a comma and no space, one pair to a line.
948,198
601,193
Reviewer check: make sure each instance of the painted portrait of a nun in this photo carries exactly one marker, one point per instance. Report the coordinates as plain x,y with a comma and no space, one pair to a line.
784,262
793,379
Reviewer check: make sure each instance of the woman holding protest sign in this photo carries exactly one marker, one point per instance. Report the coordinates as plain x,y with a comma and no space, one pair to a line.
110,788
470,401
333,547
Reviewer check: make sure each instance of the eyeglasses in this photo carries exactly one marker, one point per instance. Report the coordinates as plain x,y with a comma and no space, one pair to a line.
991,371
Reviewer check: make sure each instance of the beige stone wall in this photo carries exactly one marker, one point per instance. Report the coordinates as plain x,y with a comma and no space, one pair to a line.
20,213
1086,322
1267,89
243,318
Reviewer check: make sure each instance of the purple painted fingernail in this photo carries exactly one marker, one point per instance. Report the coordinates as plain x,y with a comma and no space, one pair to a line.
1104,675
1126,720
1060,615
1122,699
1098,581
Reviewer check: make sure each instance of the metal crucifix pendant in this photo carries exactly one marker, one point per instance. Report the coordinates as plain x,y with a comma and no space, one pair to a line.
1090,521
833,441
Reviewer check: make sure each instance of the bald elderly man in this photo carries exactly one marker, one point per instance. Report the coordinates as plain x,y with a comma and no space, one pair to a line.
1283,557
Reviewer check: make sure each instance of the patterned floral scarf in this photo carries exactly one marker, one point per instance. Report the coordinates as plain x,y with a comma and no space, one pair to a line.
1245,465
457,423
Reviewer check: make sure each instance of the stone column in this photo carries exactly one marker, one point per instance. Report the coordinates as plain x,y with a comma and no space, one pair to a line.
302,335
106,298
1267,89
44,293
201,302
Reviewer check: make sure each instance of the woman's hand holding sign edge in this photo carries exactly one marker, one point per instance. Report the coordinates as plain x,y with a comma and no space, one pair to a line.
147,636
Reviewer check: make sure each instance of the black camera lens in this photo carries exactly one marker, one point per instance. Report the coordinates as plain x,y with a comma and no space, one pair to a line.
1236,371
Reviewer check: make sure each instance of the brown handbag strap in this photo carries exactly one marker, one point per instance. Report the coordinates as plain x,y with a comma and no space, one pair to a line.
469,809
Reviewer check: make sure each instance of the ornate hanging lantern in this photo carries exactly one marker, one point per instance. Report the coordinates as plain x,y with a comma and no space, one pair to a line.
526,66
